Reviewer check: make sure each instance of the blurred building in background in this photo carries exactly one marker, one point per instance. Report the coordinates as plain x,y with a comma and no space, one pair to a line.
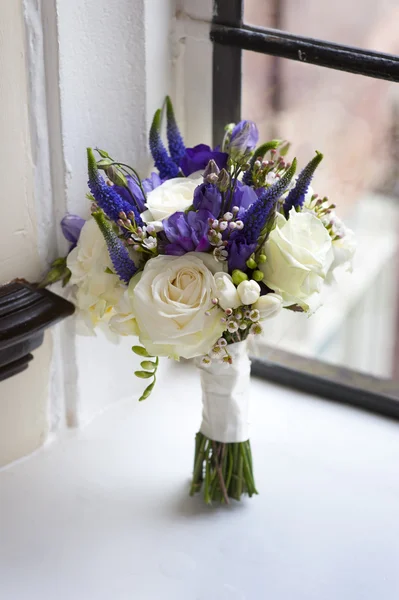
354,121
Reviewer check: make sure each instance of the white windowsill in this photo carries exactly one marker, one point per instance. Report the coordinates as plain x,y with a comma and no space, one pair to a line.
103,513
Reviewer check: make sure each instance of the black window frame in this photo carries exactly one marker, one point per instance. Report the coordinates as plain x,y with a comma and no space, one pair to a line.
230,36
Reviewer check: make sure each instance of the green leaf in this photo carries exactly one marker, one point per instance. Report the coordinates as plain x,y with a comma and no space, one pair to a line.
148,365
141,351
109,271
143,374
147,391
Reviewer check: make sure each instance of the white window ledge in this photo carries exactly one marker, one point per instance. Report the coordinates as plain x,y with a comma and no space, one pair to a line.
104,512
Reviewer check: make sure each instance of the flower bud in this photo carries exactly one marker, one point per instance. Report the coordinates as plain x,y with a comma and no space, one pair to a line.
223,180
211,168
116,176
257,275
262,258
243,139
238,276
248,291
251,264
268,305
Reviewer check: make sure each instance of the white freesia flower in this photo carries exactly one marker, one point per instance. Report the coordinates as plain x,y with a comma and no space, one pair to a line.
97,292
123,321
172,196
227,292
172,303
248,291
269,306
299,254
344,243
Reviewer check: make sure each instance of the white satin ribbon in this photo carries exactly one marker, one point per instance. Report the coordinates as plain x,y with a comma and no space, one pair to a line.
225,397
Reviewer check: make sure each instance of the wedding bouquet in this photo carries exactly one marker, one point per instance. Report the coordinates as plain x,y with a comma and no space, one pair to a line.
193,260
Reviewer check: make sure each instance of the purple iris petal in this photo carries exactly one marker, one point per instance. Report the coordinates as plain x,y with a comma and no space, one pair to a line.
198,157
187,232
244,137
239,252
208,197
71,226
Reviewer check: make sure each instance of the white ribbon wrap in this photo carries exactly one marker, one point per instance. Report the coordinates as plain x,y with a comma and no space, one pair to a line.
225,397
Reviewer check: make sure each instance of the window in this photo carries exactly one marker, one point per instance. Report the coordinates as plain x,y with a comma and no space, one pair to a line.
343,101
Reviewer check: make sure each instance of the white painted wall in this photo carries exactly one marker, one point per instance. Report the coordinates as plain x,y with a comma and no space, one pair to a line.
79,74
23,399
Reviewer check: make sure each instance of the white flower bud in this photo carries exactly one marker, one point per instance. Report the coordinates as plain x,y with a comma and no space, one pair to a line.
269,306
227,291
248,291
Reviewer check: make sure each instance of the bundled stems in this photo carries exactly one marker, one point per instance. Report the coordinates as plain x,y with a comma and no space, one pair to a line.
223,470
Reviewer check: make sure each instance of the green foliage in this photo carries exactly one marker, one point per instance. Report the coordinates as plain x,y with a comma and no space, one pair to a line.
58,272
149,370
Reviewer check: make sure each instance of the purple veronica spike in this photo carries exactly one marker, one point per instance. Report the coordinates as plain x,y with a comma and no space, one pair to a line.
121,261
256,216
71,226
296,197
176,145
165,165
106,196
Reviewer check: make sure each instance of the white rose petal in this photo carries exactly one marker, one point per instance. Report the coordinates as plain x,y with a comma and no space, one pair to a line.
170,301
299,254
248,291
269,306
227,292
174,195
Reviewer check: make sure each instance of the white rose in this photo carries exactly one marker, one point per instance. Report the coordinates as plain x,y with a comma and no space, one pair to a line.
269,305
227,291
299,254
248,291
97,292
170,301
174,195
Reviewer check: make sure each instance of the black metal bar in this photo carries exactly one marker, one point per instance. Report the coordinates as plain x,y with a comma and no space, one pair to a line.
228,13
25,312
308,50
339,384
226,71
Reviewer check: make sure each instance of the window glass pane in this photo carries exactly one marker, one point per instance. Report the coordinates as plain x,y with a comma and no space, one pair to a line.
363,23
354,121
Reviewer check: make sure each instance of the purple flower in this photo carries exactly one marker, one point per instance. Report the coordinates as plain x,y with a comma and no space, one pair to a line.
243,197
208,197
244,138
132,193
198,157
71,226
152,182
239,252
187,232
